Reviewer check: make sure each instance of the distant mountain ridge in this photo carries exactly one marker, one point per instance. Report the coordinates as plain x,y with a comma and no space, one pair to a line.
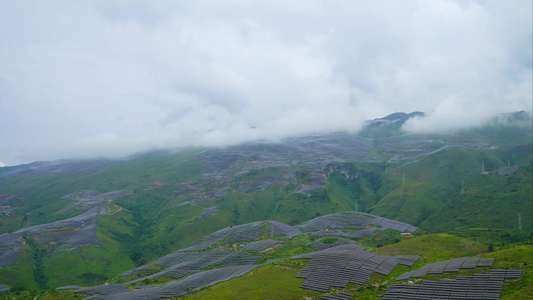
400,117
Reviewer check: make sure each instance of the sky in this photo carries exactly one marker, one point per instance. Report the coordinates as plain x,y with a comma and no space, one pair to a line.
87,79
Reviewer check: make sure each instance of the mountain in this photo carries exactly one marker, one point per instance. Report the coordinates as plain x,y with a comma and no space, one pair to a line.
504,195
85,222
387,126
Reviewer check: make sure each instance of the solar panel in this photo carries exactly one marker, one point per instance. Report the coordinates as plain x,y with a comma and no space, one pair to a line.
451,265
260,245
477,286
9,255
283,229
336,222
10,239
106,289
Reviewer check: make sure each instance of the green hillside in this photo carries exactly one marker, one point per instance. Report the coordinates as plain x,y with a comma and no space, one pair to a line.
430,182
489,201
277,280
85,222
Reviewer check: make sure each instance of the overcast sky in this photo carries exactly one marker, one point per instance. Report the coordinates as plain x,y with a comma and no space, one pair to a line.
83,79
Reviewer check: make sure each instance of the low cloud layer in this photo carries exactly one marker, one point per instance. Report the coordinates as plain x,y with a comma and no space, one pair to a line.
99,78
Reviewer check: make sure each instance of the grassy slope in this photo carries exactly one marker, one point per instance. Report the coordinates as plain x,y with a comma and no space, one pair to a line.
92,264
365,186
273,281
150,224
430,182
42,194
435,247
490,201
278,281
516,257
21,273
120,234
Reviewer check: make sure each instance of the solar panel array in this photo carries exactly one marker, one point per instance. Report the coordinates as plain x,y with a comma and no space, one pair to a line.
170,272
71,232
407,260
245,232
242,233
209,240
260,245
506,273
66,234
334,224
340,296
135,270
172,289
336,248
209,212
391,224
10,239
321,246
106,289
68,287
356,234
283,229
202,260
478,286
451,265
9,255
240,259
85,236
338,266
239,233
336,221
176,258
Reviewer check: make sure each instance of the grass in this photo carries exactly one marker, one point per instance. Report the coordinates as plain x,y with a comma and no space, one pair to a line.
295,246
20,274
435,247
491,201
516,257
272,281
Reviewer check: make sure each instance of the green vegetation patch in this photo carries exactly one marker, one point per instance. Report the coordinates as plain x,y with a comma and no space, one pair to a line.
516,257
435,247
272,281
490,201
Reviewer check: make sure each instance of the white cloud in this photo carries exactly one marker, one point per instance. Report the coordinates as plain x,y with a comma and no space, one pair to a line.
99,78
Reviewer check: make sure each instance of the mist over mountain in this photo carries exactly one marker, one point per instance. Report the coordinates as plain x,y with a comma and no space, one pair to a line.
85,80
171,221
